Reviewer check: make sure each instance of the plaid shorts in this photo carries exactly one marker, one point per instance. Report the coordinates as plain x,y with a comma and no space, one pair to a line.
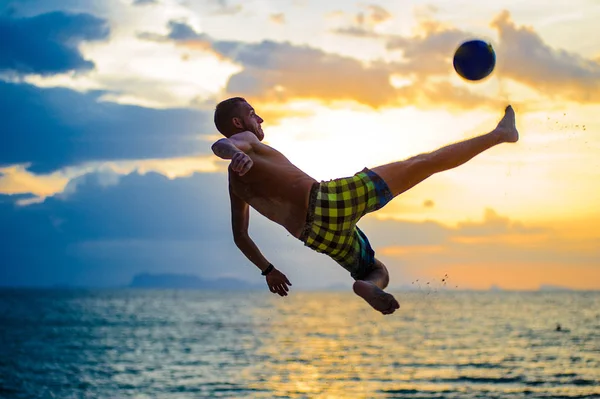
333,211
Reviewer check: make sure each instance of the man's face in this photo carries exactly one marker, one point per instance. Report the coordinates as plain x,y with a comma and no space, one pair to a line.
251,120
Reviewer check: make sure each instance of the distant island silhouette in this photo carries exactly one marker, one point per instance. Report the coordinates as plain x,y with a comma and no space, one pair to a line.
548,287
190,281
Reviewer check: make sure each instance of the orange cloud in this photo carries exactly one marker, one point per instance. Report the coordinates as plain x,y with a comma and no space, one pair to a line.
430,94
524,57
277,18
377,14
495,250
495,225
281,72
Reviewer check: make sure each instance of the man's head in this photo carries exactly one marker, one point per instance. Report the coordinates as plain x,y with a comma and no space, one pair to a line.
235,115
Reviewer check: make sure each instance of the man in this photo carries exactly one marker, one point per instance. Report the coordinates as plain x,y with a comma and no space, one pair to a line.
323,215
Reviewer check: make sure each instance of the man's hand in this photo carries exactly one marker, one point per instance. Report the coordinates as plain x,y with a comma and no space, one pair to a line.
278,282
241,163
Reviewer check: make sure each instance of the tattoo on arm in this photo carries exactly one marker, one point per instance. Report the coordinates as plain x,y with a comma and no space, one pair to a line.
225,149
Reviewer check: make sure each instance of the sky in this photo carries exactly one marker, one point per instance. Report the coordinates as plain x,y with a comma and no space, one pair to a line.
107,121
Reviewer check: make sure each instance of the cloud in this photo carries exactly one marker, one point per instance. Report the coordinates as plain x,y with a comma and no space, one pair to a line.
433,94
182,32
14,198
144,2
428,53
356,31
432,234
278,18
48,44
522,56
278,72
480,253
364,23
494,224
275,72
282,72
54,128
377,14
526,59
223,7
70,231
31,8
105,228
215,7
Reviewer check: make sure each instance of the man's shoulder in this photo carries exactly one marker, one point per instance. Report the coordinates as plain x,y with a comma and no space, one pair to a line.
245,135
245,141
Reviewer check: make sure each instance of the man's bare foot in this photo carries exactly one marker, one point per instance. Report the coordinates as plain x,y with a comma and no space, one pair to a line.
507,126
375,296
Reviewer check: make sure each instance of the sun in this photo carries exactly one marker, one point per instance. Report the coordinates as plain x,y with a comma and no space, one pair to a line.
332,143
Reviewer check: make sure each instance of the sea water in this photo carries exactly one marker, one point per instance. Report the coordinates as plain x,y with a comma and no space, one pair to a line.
127,343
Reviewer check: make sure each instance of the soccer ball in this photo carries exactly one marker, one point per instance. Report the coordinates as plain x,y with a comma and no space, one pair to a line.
474,60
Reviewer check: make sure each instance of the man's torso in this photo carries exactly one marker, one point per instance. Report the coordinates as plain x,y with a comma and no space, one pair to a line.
274,187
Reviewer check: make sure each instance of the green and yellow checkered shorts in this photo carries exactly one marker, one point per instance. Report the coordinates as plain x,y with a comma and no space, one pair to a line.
334,209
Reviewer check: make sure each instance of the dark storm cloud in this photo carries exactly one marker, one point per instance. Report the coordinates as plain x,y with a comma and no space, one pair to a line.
66,237
54,128
47,44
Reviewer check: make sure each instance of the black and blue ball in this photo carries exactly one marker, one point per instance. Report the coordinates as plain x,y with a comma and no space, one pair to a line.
474,60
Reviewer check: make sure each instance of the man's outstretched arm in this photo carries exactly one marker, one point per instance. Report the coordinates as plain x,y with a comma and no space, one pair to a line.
236,151
240,218
225,148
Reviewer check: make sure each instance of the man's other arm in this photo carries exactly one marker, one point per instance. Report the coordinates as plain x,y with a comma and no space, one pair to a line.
240,218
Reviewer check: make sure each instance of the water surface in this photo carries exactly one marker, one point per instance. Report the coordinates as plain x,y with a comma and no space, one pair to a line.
201,344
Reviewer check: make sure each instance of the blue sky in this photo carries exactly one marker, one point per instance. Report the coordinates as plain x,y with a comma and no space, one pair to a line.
105,162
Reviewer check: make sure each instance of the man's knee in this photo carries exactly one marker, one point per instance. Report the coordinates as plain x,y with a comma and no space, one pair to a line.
385,275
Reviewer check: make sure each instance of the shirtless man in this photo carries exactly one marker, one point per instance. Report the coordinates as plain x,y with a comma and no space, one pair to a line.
323,215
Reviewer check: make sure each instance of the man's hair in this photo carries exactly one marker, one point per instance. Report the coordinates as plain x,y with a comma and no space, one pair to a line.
224,112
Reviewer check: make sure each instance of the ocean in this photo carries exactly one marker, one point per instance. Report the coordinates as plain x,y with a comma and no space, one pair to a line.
133,343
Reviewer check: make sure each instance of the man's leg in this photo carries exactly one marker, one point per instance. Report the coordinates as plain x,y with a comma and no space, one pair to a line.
403,175
371,287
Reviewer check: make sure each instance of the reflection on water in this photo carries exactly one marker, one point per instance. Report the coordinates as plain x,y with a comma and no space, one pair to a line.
191,344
